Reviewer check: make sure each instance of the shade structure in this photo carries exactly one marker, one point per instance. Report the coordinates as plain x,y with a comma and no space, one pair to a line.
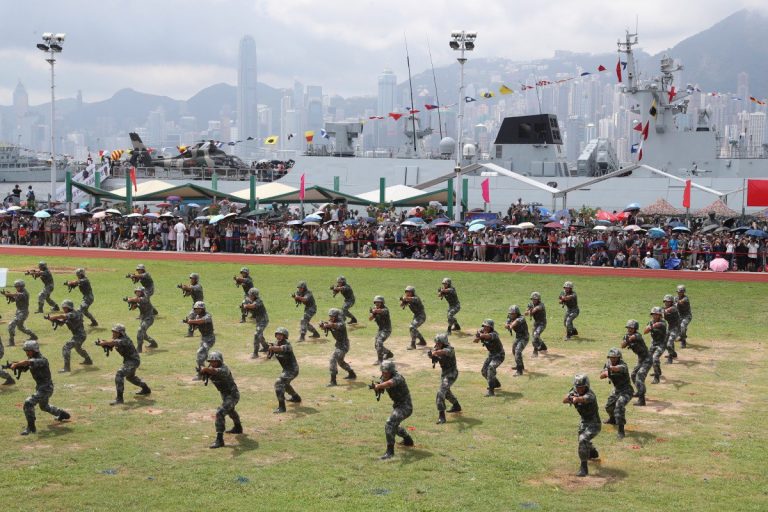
660,207
719,208
265,192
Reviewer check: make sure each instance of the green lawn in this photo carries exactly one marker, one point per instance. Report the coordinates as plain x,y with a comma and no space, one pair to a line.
699,445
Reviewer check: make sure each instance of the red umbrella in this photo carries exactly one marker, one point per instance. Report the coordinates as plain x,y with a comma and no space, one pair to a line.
604,215
415,212
622,216
163,205
553,225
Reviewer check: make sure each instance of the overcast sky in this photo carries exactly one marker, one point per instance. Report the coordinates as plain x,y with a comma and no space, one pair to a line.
175,48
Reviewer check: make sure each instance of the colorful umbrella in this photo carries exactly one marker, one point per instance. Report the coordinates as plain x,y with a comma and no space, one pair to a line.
173,198
653,263
718,265
596,244
553,225
757,233
42,214
656,233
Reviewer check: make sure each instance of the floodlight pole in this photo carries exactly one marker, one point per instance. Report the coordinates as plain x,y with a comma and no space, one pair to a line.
459,43
52,61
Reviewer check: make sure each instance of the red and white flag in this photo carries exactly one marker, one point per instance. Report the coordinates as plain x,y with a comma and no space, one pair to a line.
133,179
301,188
486,185
645,130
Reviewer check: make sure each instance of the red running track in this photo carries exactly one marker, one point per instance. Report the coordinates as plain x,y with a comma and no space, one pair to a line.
454,266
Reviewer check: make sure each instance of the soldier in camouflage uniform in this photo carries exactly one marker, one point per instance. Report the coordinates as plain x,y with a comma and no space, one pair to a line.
45,294
41,372
518,327
657,327
402,407
203,322
3,374
683,304
21,298
244,281
634,340
491,341
349,297
616,371
419,315
84,284
444,354
146,316
380,313
255,305
538,313
194,290
304,296
672,317
222,378
131,362
585,402
142,277
74,322
338,329
283,351
570,302
448,292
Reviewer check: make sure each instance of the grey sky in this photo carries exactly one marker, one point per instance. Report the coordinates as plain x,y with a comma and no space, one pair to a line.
175,47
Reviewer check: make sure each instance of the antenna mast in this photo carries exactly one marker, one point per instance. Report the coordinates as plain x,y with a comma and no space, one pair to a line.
410,86
437,97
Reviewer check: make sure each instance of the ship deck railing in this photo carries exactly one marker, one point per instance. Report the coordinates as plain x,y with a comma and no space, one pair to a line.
200,173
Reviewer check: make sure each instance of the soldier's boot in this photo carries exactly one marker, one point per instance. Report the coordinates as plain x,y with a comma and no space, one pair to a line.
490,392
353,319
66,368
63,416
440,417
496,383
242,319
154,312
640,401
377,362
280,407
236,429
670,359
407,440
332,382
33,337
9,381
620,434
456,408
189,334
219,442
351,375
30,428
139,346
11,343
456,326
610,421
389,453
683,344
593,453
543,347
450,326
535,352
389,355
518,371
413,344
144,391
152,344
87,361
314,332
255,354
94,323
422,342
583,470
118,400
302,338
39,308
296,399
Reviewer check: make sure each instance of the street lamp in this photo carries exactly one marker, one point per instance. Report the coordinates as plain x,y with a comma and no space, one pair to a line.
461,41
51,45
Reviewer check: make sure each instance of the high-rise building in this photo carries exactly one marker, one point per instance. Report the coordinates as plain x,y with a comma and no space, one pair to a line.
384,131
20,100
742,86
247,104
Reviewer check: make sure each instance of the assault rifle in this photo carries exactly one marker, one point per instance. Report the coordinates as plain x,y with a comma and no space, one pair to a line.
70,286
133,277
107,348
270,354
185,320
335,291
16,371
243,312
403,302
571,395
238,281
440,293
185,292
372,386
434,359
202,375
295,298
9,296
33,272
326,327
131,305
56,321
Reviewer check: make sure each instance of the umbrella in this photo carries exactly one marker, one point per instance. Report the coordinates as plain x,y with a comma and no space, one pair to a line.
614,229
672,264
411,224
42,214
167,216
443,225
631,207
216,218
708,228
413,212
202,218
369,220
757,233
553,225
476,221
633,227
543,211
473,228
173,198
596,244
599,228
436,205
417,220
150,215
113,212
675,223
681,229
163,205
739,229
133,215
512,227
193,205
84,204
94,210
441,220
718,265
530,241
721,229
80,211
13,208
241,220
293,223
99,215
526,225
350,222
456,225
560,214
602,222
604,215
312,223
647,226
656,233
653,263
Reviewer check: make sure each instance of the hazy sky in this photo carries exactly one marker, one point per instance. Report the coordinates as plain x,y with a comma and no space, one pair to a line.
175,48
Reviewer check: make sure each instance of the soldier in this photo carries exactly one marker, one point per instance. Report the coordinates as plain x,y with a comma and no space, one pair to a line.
538,313
349,297
146,316
131,362
45,294
194,290
672,317
380,313
3,374
616,371
245,281
143,277
41,372
584,400
74,321
283,351
397,389
658,329
684,308
518,327
222,378
444,354
21,298
203,322
419,315
256,306
454,306
491,341
304,296
84,284
338,329
569,301
634,340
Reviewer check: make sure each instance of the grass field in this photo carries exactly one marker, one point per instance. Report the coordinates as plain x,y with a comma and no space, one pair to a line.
699,445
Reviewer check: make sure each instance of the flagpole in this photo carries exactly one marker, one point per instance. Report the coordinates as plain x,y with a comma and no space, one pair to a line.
437,97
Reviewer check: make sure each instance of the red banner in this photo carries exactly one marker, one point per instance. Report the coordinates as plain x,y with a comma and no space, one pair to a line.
133,179
486,184
301,190
687,194
757,192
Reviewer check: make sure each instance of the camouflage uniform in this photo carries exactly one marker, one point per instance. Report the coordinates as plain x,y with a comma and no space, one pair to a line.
207,338
262,320
22,313
454,306
493,361
419,317
571,312
131,362
684,308
621,394
539,324
590,424
287,360
658,345
196,293
644,361
41,372
520,330
74,320
402,408
3,374
84,285
230,396
672,317
384,322
349,301
339,332
246,284
310,310
147,318
449,372
45,295
149,287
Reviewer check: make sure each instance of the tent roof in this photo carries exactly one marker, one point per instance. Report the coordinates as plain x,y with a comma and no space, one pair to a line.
157,190
719,208
145,187
441,196
392,193
265,191
317,194
97,192
660,207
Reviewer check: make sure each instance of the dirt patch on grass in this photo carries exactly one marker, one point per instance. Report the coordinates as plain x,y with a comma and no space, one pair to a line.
567,480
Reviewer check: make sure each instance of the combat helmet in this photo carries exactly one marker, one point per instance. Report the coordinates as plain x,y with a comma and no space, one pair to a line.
195,276
31,346
581,380
140,266
245,271
656,310
614,352
80,272
442,339
514,308
489,323
411,289
66,303
341,279
681,288
568,284
302,285
119,328
334,312
633,324
378,298
215,356
19,283
447,280
388,366
253,293
535,296
283,331
42,265
668,298
199,305
140,289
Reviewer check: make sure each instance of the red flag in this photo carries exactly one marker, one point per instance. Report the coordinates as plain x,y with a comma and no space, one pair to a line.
618,70
430,107
133,178
601,68
414,111
486,185
395,115
672,94
687,194
645,130
301,189
757,192
638,127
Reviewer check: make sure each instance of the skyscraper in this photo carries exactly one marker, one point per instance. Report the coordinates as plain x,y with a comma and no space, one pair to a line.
385,132
247,104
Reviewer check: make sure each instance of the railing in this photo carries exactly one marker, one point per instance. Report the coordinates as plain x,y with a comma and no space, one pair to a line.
199,173
86,176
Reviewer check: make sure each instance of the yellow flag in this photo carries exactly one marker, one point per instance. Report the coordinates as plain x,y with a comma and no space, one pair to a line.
271,140
309,135
505,90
